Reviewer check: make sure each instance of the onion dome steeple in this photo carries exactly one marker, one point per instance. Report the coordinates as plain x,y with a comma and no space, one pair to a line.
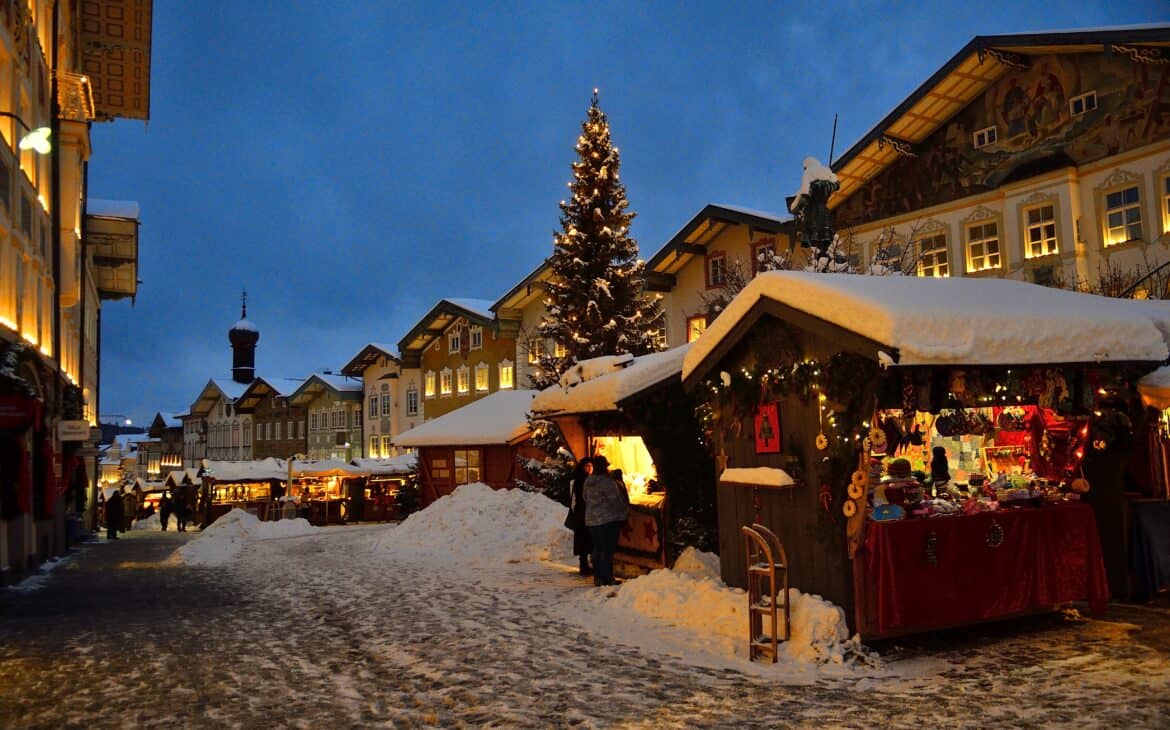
244,335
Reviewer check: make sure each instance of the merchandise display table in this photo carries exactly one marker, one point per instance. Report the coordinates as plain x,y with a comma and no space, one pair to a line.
930,573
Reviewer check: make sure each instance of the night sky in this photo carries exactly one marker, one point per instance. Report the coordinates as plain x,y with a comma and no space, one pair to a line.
350,163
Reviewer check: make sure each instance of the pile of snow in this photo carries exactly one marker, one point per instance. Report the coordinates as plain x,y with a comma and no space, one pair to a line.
153,522
227,536
476,523
692,598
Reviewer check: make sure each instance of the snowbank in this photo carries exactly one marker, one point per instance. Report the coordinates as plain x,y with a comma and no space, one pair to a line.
476,523
226,537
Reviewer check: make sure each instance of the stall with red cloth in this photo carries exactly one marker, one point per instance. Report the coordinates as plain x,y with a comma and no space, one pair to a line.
956,456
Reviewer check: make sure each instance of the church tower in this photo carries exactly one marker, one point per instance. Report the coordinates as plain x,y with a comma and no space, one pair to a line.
244,335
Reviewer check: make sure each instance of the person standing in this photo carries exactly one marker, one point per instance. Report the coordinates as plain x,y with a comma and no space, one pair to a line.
607,506
129,510
182,514
575,520
114,514
164,509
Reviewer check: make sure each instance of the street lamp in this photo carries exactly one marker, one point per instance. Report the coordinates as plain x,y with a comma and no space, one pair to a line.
36,140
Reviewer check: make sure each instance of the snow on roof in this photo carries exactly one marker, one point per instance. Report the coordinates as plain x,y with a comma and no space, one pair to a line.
763,476
323,468
246,325
1155,388
625,376
230,388
481,307
403,464
500,418
813,170
959,320
239,471
388,349
284,386
112,208
338,382
756,213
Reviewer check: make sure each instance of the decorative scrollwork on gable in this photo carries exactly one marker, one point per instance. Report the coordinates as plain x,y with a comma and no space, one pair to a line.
901,147
1006,58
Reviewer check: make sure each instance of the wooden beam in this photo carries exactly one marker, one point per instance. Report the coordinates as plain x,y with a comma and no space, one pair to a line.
692,248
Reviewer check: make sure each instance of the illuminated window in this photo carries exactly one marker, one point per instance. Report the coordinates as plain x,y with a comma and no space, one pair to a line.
466,466
373,446
464,376
659,334
476,338
373,409
696,326
507,375
983,246
385,446
1086,102
536,349
481,377
984,137
716,270
1166,204
559,350
430,384
445,381
1040,231
412,400
385,404
1123,216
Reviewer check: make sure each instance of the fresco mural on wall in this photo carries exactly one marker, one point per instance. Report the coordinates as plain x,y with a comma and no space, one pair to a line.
1035,129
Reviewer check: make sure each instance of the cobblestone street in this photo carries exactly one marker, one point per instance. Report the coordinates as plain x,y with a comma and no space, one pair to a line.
305,632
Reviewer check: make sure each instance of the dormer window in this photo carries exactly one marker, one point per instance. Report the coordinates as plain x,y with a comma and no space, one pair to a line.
716,269
453,340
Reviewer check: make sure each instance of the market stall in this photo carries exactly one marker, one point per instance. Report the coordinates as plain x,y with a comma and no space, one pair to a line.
953,444
632,411
248,485
378,501
324,490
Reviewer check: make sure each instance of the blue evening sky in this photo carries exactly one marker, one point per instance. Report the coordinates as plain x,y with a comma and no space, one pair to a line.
350,163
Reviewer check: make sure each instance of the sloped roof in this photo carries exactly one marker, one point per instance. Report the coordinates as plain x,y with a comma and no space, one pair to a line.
438,319
607,389
213,391
500,418
367,356
261,387
909,320
979,64
317,383
692,239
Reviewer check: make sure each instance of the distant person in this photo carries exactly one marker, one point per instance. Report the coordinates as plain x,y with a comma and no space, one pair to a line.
575,520
129,510
114,514
607,507
164,509
182,512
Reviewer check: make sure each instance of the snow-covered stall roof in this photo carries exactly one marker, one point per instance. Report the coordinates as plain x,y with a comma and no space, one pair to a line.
402,464
958,320
599,384
500,418
242,471
323,468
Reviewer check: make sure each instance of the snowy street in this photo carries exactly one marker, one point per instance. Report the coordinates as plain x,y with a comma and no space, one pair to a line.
443,621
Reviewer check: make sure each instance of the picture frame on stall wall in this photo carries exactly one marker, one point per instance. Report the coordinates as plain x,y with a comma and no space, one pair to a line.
767,429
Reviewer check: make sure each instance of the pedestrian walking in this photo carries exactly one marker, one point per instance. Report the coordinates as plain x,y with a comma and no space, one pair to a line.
182,513
607,506
129,510
164,509
114,514
575,520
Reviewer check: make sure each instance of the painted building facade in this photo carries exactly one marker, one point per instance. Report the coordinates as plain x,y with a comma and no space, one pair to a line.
278,427
392,397
333,409
1043,157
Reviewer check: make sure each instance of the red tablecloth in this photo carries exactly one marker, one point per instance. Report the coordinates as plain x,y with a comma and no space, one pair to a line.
921,574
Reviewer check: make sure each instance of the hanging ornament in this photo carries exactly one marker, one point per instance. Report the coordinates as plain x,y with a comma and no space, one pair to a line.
856,490
849,508
822,442
1080,485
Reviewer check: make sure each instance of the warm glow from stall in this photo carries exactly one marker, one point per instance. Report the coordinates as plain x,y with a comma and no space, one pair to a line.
629,454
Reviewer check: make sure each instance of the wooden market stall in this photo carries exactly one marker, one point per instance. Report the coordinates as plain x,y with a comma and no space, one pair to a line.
378,501
323,491
859,387
252,486
484,441
633,411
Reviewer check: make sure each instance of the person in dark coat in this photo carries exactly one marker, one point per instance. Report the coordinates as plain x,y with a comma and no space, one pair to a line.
607,507
164,509
181,514
575,520
114,515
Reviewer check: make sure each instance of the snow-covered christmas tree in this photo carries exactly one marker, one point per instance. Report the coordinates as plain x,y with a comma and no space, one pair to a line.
595,298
